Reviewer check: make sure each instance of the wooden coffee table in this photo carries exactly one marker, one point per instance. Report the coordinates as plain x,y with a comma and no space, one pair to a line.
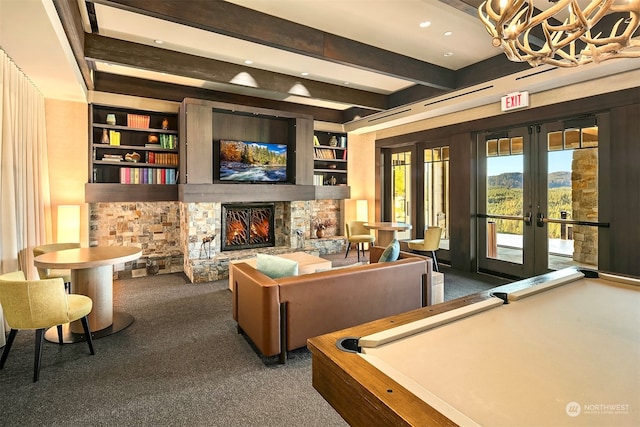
306,263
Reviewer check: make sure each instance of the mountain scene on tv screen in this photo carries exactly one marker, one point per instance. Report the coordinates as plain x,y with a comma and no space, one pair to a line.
252,161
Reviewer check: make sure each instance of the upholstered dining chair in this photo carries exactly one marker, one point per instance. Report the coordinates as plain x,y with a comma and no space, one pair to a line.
51,273
430,243
39,305
358,234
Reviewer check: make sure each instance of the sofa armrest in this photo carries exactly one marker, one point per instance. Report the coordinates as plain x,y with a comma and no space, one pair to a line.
256,307
375,252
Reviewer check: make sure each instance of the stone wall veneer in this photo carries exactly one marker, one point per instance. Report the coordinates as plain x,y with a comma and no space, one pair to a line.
176,236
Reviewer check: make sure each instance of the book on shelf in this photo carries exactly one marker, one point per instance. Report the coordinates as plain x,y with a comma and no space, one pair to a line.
114,137
112,157
168,141
325,153
148,176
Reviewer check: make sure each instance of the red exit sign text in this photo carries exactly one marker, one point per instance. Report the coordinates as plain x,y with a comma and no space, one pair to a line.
515,100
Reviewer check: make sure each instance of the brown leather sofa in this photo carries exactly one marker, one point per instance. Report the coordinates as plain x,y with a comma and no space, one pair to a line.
279,315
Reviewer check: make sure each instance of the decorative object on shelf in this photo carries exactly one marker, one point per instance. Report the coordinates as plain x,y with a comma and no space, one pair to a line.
343,141
206,241
152,138
105,137
111,119
132,157
333,141
511,24
321,225
165,123
299,238
333,180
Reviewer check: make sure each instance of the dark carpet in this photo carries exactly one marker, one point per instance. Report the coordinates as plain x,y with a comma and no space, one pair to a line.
180,363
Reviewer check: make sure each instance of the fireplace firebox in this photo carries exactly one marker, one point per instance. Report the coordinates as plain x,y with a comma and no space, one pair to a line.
247,225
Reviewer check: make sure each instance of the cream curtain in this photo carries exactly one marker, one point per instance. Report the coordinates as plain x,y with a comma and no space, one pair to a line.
24,176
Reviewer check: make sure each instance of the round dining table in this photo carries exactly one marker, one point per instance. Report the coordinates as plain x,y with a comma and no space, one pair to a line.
91,275
387,231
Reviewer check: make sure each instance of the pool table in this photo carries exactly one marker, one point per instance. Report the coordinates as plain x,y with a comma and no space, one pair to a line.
557,349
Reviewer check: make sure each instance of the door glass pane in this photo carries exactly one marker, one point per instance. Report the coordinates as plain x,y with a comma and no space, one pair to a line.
436,192
401,179
554,141
571,138
572,194
504,189
505,246
590,137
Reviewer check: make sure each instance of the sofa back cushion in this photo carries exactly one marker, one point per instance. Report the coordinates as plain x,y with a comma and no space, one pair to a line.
275,266
332,300
391,252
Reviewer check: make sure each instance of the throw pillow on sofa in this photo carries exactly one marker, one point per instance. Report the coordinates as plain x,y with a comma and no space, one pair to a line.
391,252
275,267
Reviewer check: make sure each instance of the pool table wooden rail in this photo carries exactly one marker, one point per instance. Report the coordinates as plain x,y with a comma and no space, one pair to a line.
362,394
340,377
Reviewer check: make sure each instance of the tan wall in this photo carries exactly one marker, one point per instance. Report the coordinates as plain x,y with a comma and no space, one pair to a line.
67,145
361,167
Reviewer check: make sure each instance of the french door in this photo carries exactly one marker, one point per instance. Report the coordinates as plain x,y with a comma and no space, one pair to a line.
538,198
401,191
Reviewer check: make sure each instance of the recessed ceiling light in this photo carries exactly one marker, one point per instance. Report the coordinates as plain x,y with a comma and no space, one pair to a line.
425,24
347,83
305,73
248,62
448,33
448,54
158,41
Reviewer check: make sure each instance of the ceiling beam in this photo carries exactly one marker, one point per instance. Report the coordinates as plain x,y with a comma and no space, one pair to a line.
236,21
71,20
113,83
106,49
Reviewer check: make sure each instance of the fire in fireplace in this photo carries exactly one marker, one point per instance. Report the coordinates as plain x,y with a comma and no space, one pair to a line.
247,225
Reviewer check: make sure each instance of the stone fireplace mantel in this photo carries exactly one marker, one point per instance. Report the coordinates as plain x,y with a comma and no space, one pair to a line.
195,193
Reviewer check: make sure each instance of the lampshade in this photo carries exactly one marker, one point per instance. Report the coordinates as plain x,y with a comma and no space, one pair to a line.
362,210
68,224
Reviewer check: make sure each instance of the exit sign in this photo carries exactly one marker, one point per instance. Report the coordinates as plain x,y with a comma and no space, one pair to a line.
515,100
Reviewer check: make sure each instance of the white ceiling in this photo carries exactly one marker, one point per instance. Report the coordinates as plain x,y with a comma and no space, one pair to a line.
32,35
388,24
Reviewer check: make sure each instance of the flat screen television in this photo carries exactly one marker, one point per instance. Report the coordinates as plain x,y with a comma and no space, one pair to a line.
249,161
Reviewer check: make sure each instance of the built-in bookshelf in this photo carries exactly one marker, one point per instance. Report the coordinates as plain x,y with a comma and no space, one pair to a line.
329,159
133,148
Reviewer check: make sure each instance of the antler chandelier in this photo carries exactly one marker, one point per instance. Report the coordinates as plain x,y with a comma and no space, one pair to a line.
511,24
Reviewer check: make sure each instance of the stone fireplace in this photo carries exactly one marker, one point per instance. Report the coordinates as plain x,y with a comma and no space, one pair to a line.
292,231
247,226
186,237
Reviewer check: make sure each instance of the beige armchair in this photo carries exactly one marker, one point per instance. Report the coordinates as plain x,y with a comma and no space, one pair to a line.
358,234
430,243
50,273
39,305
